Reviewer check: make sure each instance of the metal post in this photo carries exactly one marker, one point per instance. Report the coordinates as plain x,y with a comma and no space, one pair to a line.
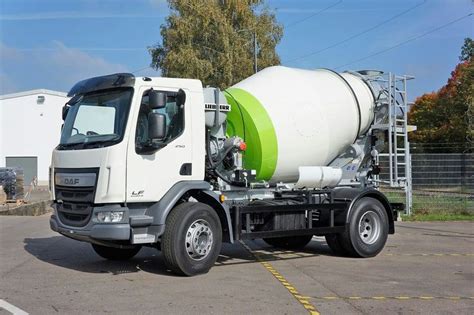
408,183
408,180
389,129
255,52
395,124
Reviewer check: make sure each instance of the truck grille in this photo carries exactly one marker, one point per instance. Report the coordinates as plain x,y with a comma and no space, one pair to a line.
74,205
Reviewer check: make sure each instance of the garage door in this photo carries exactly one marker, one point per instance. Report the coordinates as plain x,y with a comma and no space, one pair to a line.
29,164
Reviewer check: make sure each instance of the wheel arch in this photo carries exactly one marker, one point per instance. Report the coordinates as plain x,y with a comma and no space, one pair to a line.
160,210
212,199
199,190
353,195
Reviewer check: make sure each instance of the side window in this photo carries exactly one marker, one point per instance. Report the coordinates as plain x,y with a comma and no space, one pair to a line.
174,117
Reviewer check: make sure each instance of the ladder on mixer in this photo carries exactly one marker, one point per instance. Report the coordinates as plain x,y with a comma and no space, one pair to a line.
399,157
399,146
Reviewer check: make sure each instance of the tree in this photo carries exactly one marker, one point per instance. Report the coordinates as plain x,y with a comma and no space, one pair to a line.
443,116
467,50
212,40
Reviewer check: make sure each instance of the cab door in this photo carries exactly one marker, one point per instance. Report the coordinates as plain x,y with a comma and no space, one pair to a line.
151,174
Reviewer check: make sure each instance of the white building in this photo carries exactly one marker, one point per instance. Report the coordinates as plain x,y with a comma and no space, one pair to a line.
30,127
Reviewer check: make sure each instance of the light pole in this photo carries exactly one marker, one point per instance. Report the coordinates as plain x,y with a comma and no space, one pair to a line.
255,47
255,52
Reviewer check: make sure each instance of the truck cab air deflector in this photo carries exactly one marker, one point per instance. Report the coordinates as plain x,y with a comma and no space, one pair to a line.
116,80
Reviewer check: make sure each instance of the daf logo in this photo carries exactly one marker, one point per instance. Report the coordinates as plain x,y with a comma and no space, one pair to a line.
71,181
76,179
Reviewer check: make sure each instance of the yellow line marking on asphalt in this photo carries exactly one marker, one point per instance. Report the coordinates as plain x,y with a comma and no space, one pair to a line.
301,299
379,297
426,297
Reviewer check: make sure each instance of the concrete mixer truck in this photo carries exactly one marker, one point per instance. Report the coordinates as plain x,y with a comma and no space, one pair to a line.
284,155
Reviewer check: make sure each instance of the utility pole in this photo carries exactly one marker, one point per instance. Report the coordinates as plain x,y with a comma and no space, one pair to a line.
255,52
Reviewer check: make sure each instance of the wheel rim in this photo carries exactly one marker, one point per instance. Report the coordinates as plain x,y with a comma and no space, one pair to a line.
199,239
369,227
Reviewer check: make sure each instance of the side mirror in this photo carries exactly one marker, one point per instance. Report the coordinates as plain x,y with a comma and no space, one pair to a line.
180,97
156,126
156,99
65,111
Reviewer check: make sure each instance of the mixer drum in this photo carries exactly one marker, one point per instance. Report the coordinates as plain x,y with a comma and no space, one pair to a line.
293,117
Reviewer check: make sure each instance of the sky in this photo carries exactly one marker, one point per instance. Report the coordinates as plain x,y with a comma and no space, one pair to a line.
52,44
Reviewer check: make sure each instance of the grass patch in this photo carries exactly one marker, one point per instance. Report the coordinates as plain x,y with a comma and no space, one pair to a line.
438,217
437,206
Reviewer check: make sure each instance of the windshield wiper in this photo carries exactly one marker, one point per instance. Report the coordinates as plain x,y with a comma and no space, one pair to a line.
69,145
99,143
88,144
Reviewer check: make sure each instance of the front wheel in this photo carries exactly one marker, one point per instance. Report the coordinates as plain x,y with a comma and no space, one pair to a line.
113,253
192,240
368,229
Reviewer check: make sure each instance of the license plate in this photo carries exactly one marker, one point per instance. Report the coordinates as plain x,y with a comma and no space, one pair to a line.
143,238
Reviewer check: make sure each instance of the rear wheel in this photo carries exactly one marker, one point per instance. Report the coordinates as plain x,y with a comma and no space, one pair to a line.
367,232
113,253
192,239
289,242
334,243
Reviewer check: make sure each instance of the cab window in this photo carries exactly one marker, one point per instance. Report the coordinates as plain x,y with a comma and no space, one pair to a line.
174,117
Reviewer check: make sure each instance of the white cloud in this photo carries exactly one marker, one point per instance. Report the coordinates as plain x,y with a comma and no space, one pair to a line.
6,84
9,53
56,69
58,15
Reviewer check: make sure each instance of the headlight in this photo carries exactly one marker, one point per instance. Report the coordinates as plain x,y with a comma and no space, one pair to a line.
110,216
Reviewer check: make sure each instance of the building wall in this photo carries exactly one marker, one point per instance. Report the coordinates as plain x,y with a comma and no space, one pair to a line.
31,129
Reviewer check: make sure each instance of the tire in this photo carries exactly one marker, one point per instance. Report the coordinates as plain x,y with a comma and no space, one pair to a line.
368,229
290,242
335,245
192,239
113,253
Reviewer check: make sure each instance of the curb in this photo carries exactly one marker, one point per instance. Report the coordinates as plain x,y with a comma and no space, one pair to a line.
30,209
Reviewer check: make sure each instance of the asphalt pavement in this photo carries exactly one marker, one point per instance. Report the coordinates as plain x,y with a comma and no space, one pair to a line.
425,268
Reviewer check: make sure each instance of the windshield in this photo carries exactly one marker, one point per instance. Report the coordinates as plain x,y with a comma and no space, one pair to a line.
97,119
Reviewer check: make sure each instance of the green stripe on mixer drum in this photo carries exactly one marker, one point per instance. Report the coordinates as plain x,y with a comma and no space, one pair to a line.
249,120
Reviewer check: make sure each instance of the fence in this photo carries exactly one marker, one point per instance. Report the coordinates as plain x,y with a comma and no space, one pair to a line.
443,183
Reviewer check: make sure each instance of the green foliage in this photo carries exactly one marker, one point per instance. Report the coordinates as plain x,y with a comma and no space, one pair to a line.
438,217
212,40
467,50
431,204
442,116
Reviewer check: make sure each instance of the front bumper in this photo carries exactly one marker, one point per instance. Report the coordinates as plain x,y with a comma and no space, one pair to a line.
135,228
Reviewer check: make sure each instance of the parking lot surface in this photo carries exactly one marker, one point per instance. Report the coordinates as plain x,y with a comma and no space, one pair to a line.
426,268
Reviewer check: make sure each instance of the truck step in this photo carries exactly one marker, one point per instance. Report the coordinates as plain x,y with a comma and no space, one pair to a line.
141,220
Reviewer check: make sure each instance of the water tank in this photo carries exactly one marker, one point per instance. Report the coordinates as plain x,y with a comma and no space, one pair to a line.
293,117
